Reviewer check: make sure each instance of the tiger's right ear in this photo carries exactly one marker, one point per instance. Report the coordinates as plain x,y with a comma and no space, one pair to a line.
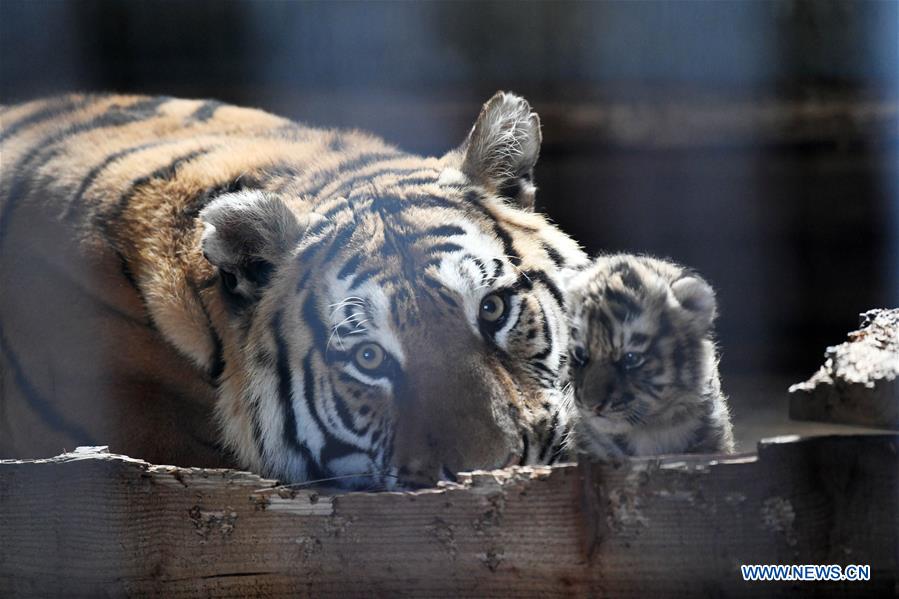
246,235
502,149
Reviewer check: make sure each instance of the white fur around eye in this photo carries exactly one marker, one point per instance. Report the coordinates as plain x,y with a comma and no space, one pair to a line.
374,326
381,382
514,307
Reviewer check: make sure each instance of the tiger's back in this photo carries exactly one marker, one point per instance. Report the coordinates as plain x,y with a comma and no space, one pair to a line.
83,361
116,329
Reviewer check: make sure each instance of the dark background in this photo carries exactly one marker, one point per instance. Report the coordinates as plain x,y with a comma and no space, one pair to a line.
754,141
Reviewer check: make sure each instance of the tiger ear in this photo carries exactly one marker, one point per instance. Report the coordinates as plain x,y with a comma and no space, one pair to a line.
697,299
245,235
502,148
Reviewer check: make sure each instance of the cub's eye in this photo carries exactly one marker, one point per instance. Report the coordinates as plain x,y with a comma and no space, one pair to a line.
493,309
369,356
580,357
632,360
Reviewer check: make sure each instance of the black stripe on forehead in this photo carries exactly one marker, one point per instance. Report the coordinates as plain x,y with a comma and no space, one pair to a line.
600,321
639,338
347,185
622,304
629,277
443,231
335,242
362,277
543,278
339,205
554,255
508,245
498,269
475,200
444,248
329,176
415,180
388,204
350,266
482,268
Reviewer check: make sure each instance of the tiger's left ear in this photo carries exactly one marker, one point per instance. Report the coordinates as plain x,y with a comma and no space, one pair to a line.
246,235
697,299
502,149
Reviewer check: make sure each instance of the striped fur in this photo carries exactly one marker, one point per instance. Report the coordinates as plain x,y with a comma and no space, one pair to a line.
194,282
643,362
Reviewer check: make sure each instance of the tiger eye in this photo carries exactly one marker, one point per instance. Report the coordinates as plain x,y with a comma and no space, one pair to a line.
493,307
632,360
369,356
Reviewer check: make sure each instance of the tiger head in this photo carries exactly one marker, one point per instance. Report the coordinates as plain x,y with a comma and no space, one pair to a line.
642,353
402,322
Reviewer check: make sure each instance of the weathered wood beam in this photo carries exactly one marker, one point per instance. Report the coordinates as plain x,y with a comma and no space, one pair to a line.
89,523
859,381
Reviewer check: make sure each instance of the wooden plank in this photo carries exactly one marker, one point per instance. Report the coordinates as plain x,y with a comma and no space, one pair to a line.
859,381
90,523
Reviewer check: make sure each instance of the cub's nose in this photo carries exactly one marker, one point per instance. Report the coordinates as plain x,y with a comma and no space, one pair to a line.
596,389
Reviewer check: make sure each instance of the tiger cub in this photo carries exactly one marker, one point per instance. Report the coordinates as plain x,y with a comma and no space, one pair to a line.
643,362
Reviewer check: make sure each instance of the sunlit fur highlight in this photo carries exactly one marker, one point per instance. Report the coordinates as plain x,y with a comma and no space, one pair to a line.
662,315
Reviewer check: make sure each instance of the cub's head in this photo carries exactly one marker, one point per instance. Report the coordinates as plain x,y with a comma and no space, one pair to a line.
392,319
641,347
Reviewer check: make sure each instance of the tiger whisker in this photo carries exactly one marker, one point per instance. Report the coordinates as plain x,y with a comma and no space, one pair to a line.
336,329
349,319
349,301
339,340
308,483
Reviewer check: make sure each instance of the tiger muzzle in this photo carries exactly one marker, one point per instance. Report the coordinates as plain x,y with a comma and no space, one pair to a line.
448,422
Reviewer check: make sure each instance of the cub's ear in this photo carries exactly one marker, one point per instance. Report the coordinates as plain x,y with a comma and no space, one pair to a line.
246,235
502,148
697,299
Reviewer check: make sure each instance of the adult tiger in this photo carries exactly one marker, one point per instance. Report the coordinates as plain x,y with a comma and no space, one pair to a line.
348,311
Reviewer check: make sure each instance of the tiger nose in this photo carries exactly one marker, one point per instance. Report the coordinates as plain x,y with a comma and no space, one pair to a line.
418,475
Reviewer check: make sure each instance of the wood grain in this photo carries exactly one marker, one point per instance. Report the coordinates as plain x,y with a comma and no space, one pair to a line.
90,523
859,380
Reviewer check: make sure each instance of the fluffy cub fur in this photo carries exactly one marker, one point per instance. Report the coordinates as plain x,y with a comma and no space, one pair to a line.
643,361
